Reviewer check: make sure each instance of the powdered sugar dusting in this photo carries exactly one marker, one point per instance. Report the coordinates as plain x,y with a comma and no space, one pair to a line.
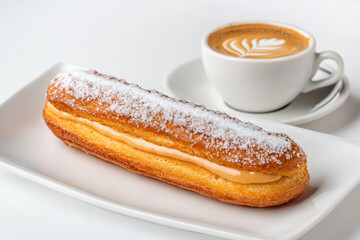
141,106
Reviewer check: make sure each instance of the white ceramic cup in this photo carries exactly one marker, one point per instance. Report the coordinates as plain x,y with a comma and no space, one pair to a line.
263,85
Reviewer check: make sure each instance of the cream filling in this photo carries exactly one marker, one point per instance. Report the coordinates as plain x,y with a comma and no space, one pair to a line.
238,176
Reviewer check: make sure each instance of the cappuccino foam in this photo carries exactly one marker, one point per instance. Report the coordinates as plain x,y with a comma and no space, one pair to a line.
258,41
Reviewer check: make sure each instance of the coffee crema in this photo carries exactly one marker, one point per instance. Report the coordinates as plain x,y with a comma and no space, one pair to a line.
258,40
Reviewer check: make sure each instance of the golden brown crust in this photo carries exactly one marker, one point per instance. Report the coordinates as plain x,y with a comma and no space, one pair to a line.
184,141
175,172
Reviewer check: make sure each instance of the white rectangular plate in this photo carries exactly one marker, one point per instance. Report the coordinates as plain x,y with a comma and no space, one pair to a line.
29,149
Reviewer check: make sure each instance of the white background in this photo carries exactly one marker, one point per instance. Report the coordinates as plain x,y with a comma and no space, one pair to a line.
141,41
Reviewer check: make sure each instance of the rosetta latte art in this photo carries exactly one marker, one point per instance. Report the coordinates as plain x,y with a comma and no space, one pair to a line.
257,48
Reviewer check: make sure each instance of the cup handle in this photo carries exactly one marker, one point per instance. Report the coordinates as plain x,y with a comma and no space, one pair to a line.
333,78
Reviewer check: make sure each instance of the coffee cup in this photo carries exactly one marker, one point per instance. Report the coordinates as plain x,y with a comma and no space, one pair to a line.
261,66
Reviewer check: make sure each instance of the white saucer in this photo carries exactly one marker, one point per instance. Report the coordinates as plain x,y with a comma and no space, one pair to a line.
188,81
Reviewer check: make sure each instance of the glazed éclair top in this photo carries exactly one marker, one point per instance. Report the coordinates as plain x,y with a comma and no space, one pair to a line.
225,138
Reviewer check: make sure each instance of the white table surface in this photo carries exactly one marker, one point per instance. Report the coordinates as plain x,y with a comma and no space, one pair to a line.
141,41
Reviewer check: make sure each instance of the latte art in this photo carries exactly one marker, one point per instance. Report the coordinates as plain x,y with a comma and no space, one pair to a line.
257,41
257,47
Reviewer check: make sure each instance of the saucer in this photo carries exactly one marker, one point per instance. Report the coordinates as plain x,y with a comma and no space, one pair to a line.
188,81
